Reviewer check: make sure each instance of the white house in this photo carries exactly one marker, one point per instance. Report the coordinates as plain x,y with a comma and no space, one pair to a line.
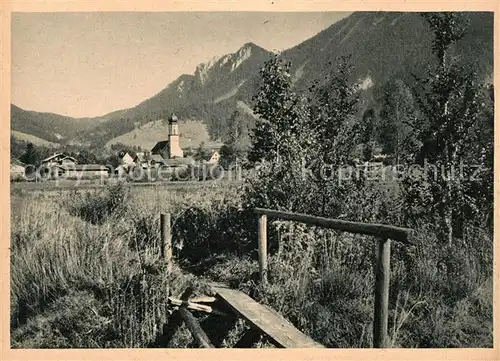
125,158
214,157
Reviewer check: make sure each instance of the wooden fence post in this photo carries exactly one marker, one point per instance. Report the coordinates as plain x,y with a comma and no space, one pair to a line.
263,248
166,239
382,278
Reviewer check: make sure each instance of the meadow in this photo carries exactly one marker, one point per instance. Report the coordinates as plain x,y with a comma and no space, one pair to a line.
86,272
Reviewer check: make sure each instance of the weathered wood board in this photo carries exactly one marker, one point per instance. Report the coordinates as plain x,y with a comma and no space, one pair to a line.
281,331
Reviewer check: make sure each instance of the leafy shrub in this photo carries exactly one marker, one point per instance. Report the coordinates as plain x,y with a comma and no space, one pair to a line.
196,217
202,231
97,206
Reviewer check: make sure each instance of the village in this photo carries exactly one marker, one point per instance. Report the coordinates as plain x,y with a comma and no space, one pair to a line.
166,160
166,155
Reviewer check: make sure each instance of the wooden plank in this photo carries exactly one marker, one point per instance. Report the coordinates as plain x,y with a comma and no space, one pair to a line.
203,299
381,305
371,229
194,326
281,331
196,306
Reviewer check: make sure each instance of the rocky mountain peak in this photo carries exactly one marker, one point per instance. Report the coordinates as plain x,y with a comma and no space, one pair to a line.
229,62
202,70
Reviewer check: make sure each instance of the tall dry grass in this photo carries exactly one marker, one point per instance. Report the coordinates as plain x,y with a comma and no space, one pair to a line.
79,284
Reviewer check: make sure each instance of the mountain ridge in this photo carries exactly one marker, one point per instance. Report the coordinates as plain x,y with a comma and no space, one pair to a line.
382,46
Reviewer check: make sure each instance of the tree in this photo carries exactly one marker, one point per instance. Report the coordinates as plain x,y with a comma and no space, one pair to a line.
201,152
397,114
236,129
31,155
336,133
235,140
85,157
113,160
275,105
334,113
480,151
367,133
451,105
282,138
17,148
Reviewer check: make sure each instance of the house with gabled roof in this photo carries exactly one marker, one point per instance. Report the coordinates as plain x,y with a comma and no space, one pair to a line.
58,159
212,157
126,158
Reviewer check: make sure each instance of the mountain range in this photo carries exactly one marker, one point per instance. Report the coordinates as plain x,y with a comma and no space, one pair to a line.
382,46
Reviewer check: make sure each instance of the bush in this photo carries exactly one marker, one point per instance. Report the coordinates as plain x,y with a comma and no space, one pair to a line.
205,230
97,206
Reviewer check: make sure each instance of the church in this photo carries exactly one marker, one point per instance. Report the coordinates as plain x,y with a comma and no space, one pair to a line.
171,148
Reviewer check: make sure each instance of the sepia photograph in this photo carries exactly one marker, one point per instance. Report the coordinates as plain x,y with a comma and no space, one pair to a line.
251,179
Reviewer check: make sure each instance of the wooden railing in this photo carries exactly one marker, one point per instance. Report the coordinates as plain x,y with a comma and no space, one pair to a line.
383,233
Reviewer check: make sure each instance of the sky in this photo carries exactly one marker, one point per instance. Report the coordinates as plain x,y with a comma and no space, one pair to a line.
89,64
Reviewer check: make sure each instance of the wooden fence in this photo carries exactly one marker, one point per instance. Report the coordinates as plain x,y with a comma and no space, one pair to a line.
382,233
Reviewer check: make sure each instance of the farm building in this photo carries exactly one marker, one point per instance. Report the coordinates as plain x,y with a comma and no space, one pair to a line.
81,170
58,159
178,162
157,160
146,160
170,148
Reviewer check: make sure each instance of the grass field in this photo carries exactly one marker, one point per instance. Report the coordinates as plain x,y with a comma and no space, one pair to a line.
86,272
193,133
33,139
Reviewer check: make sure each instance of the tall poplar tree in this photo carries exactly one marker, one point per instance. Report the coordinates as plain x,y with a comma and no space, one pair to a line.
452,107
280,141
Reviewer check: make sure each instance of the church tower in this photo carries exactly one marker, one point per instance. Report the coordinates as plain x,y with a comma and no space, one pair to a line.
175,150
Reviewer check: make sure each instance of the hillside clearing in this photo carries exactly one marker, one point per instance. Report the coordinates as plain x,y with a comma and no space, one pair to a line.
193,133
33,139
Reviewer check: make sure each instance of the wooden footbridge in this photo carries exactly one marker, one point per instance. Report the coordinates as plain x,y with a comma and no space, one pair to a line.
264,321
